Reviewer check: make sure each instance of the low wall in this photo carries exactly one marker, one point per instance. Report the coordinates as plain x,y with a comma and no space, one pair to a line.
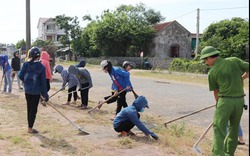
155,62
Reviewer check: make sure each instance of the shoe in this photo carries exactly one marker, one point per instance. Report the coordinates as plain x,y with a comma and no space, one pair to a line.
33,131
123,134
3,92
67,103
131,133
74,102
84,107
241,143
99,106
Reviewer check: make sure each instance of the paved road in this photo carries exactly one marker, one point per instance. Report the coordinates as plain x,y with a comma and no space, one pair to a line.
168,99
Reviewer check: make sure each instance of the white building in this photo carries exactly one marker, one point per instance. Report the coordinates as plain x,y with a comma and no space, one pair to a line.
49,30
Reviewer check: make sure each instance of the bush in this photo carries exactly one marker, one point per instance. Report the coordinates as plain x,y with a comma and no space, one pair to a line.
190,66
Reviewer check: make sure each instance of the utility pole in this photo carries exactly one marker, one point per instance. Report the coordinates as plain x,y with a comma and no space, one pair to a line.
28,40
197,32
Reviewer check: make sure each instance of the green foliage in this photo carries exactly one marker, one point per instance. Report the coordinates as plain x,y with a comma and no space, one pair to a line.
20,44
73,32
190,66
228,36
40,43
123,32
16,140
178,130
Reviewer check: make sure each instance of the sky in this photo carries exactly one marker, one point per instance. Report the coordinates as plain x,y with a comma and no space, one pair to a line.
13,13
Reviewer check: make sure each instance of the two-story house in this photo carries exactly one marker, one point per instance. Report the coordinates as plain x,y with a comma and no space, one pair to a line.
49,30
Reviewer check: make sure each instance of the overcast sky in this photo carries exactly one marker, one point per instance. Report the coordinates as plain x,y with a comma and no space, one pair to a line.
13,13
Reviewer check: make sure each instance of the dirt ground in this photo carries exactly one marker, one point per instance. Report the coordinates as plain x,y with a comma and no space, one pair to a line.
57,136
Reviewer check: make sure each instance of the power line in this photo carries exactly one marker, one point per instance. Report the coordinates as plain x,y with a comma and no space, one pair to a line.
226,8
208,10
183,15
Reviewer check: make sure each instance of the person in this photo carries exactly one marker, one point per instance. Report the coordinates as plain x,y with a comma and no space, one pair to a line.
120,81
81,64
85,83
33,75
127,66
45,58
225,79
16,65
72,83
240,136
4,61
27,56
129,117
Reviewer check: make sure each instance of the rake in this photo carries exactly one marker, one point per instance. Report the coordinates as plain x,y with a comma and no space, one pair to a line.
195,146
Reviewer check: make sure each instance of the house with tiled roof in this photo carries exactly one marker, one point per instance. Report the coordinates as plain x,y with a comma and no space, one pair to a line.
49,30
171,40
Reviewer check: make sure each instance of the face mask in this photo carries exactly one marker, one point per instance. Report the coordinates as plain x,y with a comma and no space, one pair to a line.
142,110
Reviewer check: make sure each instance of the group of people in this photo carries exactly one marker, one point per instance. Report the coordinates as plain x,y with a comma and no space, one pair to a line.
128,117
225,79
10,71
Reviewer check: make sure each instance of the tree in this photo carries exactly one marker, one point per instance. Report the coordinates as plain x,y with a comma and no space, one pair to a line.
72,29
229,36
123,32
40,43
20,44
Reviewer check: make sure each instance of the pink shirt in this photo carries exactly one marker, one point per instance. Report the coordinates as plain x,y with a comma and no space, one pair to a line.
45,61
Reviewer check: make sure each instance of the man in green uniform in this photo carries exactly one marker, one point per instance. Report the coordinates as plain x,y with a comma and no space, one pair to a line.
225,79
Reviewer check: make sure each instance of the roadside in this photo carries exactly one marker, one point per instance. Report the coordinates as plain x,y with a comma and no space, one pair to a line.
58,137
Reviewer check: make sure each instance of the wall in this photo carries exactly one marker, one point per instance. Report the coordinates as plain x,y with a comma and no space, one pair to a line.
156,62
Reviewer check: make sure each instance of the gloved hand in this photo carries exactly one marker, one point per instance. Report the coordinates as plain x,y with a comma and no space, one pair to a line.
63,88
153,135
46,97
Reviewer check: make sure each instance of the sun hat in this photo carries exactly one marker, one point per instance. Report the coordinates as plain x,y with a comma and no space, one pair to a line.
208,51
103,64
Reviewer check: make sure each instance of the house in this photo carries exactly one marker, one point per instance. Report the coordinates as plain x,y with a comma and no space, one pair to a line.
171,40
8,49
49,30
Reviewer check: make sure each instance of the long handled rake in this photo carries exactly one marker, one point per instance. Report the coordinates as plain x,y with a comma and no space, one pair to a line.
134,93
46,103
75,91
187,115
99,105
195,146
43,103
81,131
